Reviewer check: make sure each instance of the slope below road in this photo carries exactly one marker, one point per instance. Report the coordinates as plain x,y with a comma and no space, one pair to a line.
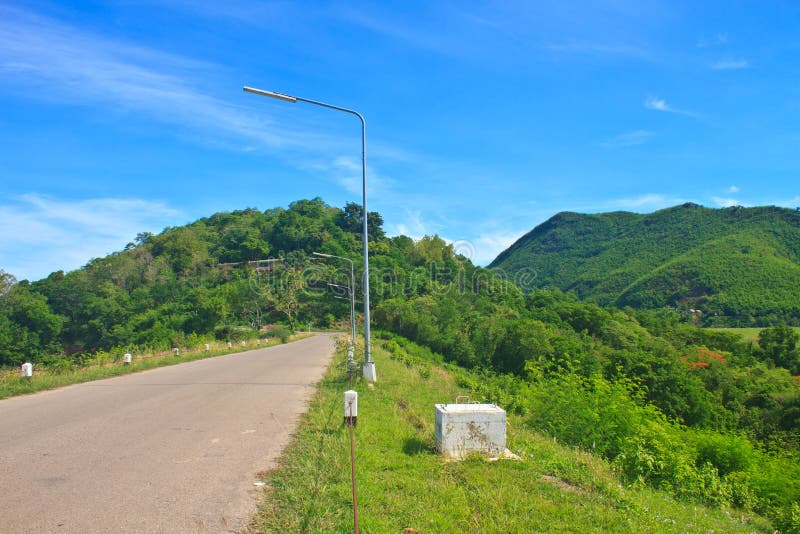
174,449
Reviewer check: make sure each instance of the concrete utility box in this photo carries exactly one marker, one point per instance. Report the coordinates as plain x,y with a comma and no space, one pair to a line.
465,428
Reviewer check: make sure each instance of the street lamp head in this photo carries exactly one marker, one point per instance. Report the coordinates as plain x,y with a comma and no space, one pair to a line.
271,94
322,255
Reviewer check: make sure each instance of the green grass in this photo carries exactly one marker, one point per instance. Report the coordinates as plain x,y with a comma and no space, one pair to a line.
403,483
748,334
12,384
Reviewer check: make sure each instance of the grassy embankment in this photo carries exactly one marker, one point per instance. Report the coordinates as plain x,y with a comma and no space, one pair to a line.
105,365
403,483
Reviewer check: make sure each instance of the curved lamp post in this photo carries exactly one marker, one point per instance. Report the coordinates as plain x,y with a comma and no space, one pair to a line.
352,294
369,365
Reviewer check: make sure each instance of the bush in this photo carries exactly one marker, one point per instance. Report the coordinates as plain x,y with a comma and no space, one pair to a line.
280,332
727,452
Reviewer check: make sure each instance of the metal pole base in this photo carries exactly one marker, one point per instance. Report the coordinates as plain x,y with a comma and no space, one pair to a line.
369,372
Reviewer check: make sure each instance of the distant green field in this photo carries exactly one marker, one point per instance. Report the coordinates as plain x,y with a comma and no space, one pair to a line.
748,334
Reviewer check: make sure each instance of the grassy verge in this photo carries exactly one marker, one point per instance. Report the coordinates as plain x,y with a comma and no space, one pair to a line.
12,384
403,483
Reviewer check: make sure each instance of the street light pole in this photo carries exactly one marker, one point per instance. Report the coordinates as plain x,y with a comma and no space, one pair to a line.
369,365
352,294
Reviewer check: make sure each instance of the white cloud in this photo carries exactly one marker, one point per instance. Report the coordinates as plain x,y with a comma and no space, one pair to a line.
414,226
488,246
647,200
38,54
733,189
347,172
793,202
731,64
726,202
636,137
659,104
44,234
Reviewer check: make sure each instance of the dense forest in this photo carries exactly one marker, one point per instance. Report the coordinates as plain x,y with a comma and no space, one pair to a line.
223,276
699,412
737,266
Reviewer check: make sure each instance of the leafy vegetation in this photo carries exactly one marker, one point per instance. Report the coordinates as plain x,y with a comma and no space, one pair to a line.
403,483
209,278
642,446
695,412
738,266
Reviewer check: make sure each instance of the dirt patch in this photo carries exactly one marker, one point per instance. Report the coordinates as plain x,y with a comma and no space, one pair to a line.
415,420
563,484
442,373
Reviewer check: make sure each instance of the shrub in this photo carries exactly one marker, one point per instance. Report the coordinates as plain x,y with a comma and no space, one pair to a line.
727,452
281,332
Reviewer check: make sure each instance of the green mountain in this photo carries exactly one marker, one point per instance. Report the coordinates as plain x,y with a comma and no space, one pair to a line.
739,266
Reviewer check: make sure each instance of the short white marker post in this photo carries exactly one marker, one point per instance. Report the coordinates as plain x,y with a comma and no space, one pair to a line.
207,347
27,369
350,407
244,343
126,358
176,351
230,344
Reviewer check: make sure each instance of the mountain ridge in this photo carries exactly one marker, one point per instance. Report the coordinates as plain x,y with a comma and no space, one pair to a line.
680,257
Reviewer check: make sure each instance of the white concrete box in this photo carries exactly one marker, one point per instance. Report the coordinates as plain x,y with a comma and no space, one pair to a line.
465,428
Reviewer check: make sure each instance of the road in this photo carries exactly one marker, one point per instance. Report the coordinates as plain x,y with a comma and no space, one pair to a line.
175,449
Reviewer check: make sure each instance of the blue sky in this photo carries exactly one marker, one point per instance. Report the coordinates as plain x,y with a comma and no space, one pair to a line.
483,118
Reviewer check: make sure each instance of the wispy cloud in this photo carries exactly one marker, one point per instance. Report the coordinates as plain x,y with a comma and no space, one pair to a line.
636,137
413,225
38,53
601,49
644,201
726,202
793,202
439,42
47,233
347,172
731,64
659,104
487,246
733,189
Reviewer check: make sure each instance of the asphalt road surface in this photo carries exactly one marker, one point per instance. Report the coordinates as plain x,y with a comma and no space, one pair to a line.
175,449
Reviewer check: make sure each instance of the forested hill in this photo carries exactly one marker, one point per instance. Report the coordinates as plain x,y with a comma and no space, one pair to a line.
188,282
738,266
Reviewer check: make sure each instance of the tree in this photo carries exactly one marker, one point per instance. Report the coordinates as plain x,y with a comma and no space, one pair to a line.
28,328
351,220
283,296
779,344
7,281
